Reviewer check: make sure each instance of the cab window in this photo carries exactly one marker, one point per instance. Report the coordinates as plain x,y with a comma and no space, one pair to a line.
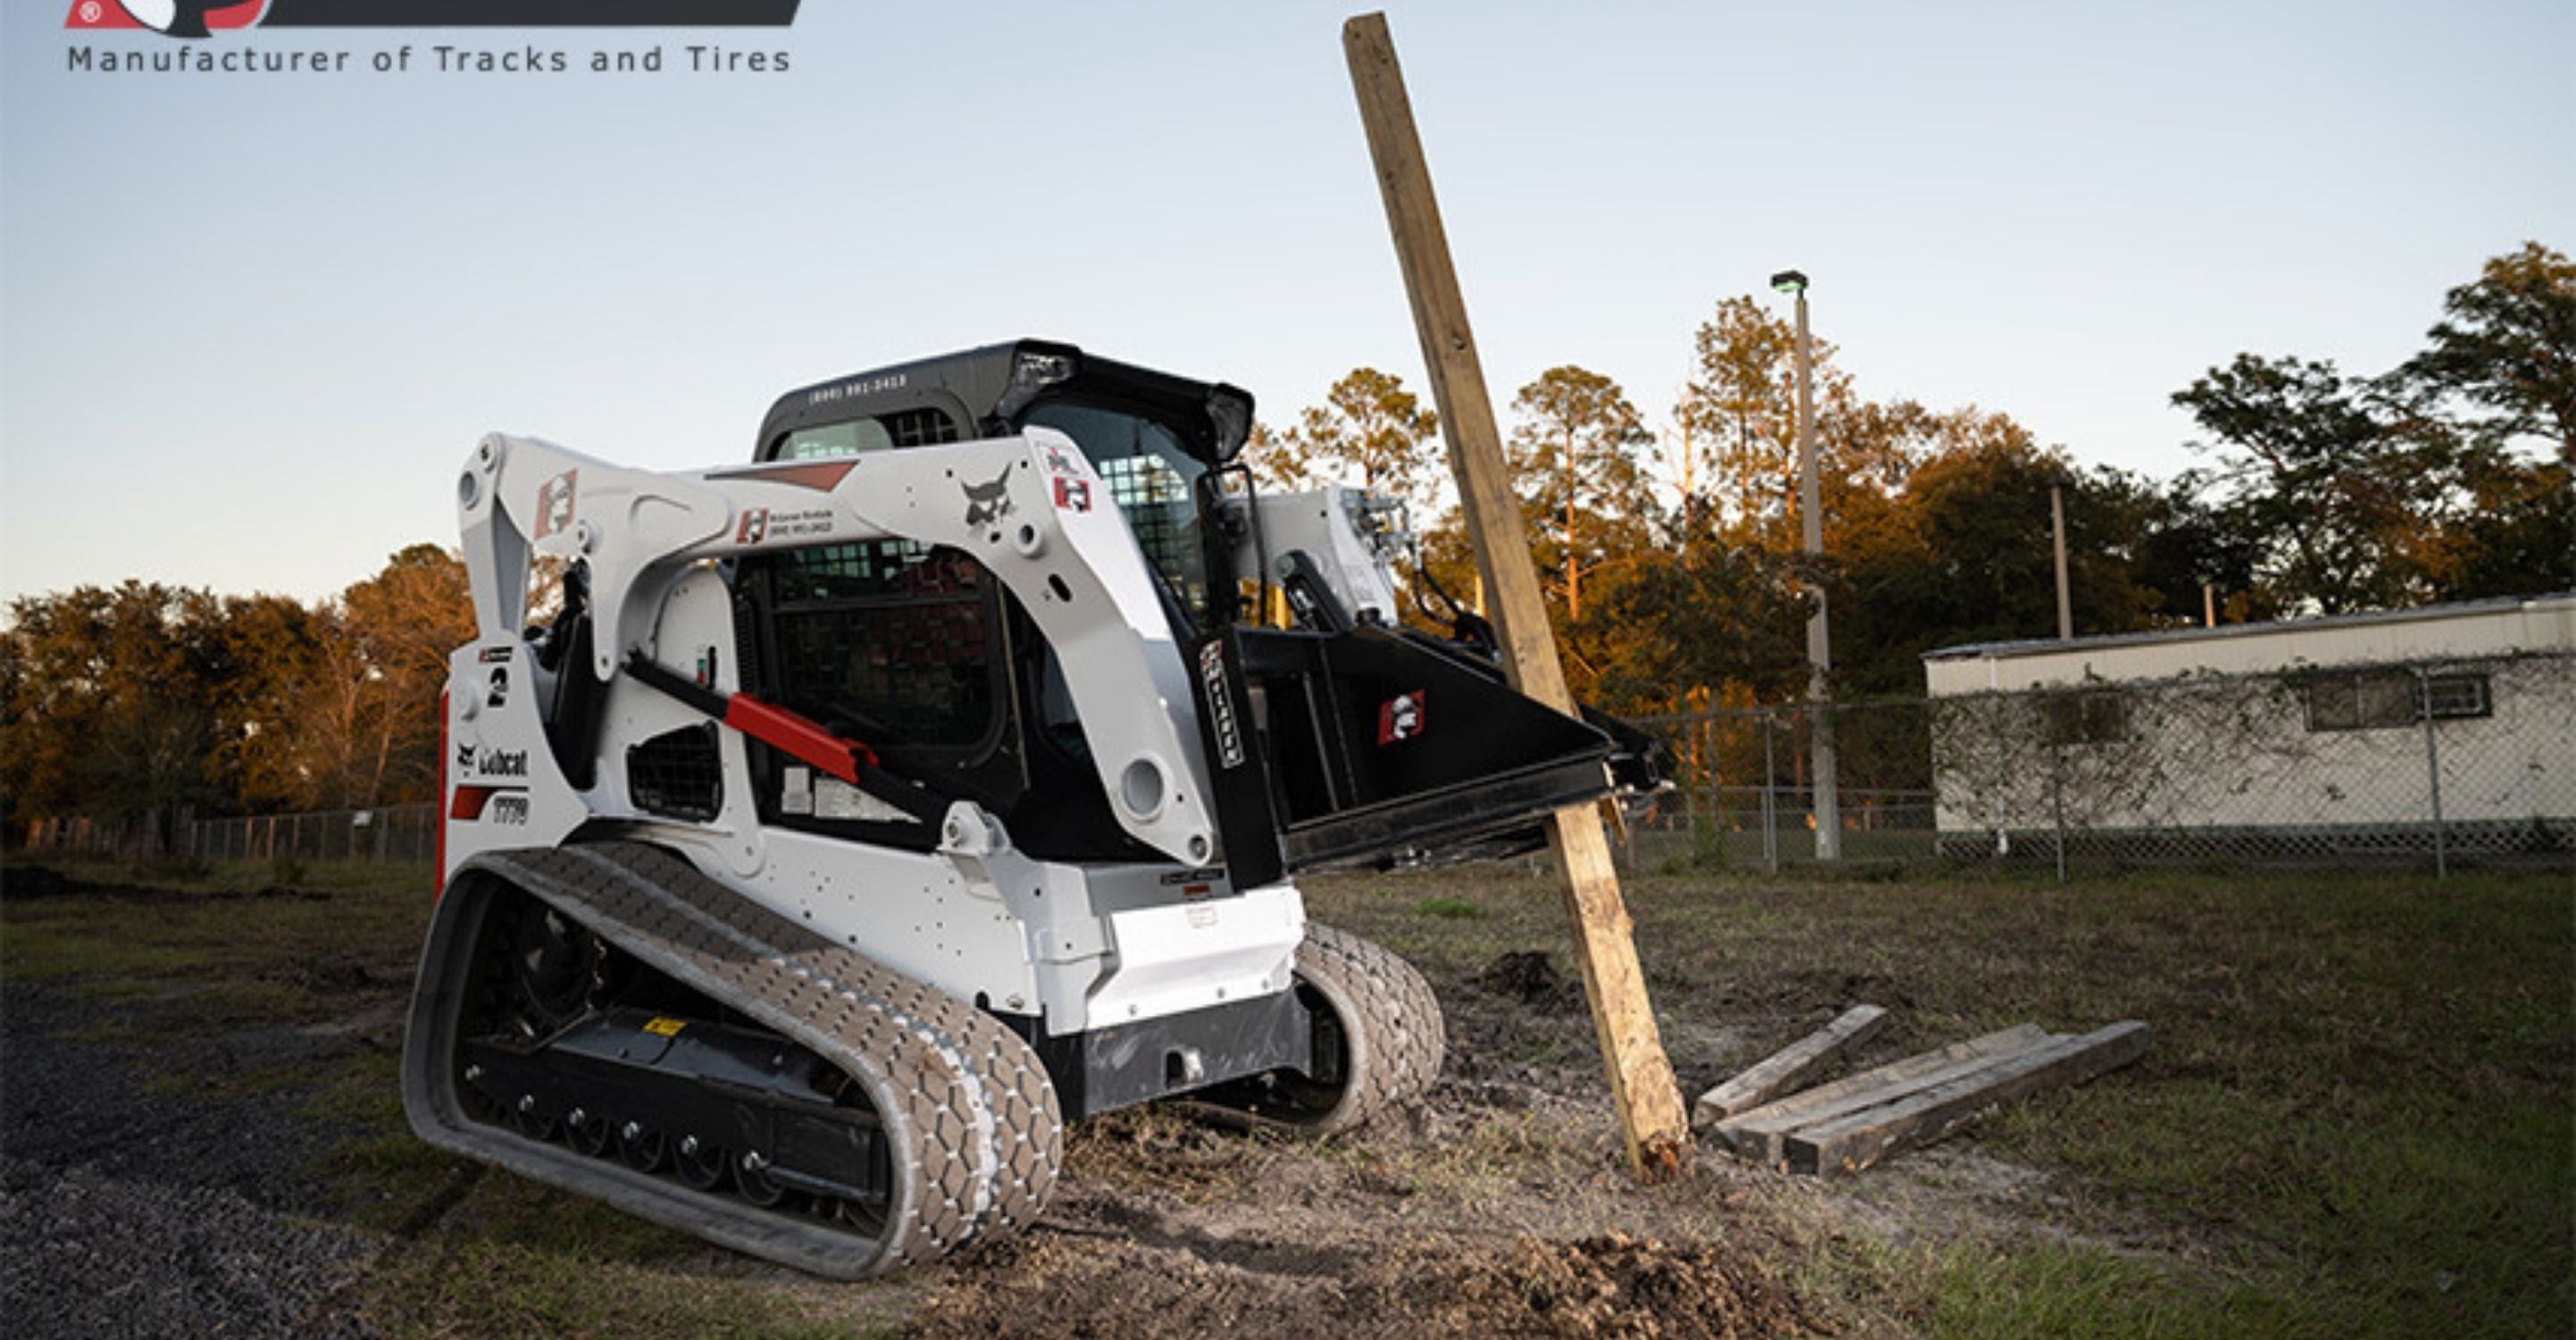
1154,480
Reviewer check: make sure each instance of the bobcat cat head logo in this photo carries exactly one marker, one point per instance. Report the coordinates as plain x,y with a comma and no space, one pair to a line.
988,503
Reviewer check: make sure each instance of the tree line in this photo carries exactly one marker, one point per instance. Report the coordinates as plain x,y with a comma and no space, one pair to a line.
1671,559
148,701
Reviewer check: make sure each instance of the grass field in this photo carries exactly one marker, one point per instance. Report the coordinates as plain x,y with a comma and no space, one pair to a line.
2358,1116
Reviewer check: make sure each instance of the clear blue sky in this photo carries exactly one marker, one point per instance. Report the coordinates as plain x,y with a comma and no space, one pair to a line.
250,326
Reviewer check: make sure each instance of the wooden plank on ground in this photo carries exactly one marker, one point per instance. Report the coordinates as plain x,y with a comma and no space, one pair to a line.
1642,1085
1853,1142
1789,1068
1761,1133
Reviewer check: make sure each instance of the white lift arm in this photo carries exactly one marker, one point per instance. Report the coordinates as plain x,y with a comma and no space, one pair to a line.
1030,508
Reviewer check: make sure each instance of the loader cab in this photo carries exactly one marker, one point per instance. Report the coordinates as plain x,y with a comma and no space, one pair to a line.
919,650
1158,441
1340,745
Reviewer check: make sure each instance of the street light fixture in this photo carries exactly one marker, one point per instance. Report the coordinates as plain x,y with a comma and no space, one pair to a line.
1820,656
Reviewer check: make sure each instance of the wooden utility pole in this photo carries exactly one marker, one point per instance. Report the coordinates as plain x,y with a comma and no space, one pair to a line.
1649,1099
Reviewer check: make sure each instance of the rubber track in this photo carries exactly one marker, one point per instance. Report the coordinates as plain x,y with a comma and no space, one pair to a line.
971,1121
1392,1021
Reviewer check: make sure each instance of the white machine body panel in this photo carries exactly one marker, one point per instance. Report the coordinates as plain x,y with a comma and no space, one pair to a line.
1352,536
1084,946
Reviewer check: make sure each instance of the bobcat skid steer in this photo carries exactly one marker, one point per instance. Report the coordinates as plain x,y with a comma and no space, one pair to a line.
871,809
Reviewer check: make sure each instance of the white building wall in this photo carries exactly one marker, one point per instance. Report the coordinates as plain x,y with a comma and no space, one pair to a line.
2217,728
2463,632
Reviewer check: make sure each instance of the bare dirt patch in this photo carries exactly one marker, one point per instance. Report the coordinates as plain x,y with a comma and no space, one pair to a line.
1501,1206
1162,1276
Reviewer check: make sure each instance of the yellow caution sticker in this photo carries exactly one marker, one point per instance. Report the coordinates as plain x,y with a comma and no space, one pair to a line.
669,1028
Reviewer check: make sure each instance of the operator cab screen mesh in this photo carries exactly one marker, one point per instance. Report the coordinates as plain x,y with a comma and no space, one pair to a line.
858,437
1154,481
677,773
886,641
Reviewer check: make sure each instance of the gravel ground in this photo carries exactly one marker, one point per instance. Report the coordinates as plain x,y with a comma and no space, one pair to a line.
86,1254
135,1209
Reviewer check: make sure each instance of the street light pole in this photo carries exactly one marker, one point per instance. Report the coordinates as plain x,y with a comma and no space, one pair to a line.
1820,655
2057,529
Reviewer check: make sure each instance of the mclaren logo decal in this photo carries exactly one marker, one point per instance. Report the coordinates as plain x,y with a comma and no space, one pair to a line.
554,504
1400,718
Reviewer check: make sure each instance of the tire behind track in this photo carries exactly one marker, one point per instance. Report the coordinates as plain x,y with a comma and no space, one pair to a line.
1390,1020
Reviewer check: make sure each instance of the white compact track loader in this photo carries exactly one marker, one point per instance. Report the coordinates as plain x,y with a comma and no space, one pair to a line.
869,810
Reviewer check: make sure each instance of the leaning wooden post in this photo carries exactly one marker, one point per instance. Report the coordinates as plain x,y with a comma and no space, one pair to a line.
1641,1079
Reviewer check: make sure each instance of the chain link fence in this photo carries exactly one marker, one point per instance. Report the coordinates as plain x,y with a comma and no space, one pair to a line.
2438,762
1746,788
2435,762
393,833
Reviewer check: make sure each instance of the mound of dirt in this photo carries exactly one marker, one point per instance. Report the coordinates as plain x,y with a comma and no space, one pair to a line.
1084,1283
1529,977
1619,1286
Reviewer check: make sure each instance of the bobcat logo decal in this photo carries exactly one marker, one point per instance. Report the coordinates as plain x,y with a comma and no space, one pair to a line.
988,503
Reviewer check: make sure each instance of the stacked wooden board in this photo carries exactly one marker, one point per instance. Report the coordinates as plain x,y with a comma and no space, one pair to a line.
1789,1069
1849,1124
